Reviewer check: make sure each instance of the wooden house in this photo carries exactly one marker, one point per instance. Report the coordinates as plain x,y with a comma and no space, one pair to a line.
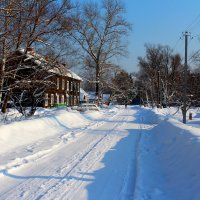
62,86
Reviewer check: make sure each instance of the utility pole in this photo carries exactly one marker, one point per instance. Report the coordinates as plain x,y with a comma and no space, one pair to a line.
158,92
184,107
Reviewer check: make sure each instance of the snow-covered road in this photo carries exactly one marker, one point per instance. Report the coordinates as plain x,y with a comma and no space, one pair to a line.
116,154
99,163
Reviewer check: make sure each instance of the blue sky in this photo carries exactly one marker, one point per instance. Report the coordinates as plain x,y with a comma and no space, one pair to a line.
161,22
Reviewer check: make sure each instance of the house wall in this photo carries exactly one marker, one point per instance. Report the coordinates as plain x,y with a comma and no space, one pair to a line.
66,91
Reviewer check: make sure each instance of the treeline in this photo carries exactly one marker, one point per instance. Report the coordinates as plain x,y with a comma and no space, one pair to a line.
160,80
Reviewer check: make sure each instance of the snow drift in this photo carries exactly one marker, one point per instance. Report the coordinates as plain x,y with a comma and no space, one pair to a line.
170,160
52,122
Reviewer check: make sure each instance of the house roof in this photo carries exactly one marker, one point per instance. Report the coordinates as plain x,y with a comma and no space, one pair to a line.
63,71
40,60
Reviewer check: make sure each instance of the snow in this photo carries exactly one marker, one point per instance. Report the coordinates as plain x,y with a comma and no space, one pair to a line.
63,71
115,153
83,95
73,75
170,160
28,131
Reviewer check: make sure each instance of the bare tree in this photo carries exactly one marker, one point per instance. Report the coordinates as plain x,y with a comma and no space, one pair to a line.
99,29
161,71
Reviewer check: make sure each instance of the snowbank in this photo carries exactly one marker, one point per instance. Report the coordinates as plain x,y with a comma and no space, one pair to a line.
170,159
52,122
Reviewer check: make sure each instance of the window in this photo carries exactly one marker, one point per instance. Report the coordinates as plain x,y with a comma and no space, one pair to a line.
52,99
58,83
67,85
78,87
63,84
57,99
67,101
75,100
71,87
74,86
46,100
70,100
62,99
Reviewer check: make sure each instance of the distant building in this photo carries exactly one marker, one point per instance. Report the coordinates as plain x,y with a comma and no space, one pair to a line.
84,96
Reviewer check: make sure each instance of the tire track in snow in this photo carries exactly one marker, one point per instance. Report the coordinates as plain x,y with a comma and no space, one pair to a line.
24,184
81,160
64,138
137,158
144,125
59,184
76,185
25,161
73,167
126,182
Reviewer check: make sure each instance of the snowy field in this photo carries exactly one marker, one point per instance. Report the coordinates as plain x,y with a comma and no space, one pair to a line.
115,153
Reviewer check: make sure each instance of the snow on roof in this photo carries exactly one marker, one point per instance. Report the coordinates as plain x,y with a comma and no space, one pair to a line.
71,74
31,55
63,71
59,69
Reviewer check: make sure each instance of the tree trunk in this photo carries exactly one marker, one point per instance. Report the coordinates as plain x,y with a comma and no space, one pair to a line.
97,88
5,103
4,56
147,97
33,106
152,96
1,83
184,112
97,83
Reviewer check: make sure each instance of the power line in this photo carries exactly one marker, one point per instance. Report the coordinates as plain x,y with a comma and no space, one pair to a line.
196,36
193,23
179,46
195,54
176,44
195,26
191,26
